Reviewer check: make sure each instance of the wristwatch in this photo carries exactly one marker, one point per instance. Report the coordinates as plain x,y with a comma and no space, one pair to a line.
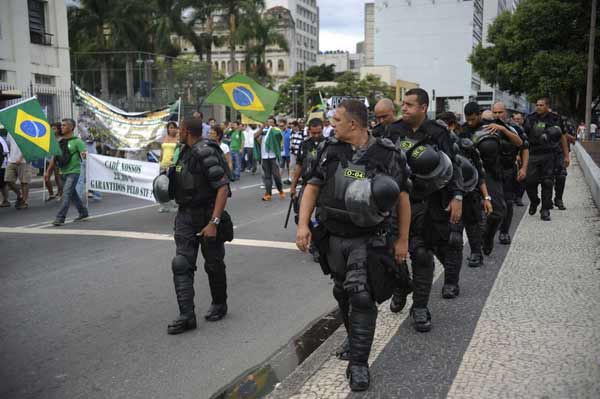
215,221
458,197
487,198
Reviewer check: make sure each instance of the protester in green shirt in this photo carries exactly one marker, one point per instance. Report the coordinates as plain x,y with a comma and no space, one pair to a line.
70,172
236,146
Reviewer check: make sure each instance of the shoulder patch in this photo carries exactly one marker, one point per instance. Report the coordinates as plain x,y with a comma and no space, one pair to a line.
385,142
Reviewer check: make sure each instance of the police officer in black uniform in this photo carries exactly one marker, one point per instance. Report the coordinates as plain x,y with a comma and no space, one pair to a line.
474,186
487,135
560,171
387,125
512,174
200,184
305,160
547,143
436,196
356,183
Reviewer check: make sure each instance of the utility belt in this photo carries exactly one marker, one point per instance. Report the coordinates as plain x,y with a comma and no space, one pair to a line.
201,215
197,207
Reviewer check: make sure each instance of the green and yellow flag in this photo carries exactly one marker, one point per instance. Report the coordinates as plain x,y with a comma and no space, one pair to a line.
245,96
28,126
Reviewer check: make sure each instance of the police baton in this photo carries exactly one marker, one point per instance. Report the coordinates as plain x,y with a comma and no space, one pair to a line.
287,218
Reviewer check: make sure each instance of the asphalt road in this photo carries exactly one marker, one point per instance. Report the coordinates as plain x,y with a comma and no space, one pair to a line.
85,316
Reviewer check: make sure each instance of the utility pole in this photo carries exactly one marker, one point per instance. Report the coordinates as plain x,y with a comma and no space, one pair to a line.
304,86
590,70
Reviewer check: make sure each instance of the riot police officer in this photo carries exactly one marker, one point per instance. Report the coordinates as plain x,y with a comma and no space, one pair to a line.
474,186
560,171
487,135
511,174
436,196
387,125
546,139
305,160
200,186
356,183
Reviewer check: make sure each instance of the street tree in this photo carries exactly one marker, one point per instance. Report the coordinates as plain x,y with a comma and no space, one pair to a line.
540,50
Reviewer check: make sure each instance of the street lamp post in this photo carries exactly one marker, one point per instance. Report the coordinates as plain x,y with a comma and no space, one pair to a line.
139,61
590,71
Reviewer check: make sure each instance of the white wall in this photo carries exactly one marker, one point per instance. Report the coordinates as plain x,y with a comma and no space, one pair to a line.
21,58
428,42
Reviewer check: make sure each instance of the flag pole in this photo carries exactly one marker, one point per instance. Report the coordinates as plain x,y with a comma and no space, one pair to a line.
179,113
44,183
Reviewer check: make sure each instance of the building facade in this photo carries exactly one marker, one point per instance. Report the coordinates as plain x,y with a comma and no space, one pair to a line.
305,14
429,43
368,47
489,94
34,52
340,60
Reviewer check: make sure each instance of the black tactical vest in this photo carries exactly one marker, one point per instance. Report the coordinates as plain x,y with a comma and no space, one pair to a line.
341,170
192,189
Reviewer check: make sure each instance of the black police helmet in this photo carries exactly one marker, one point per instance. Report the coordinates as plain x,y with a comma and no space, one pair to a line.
423,160
160,188
487,143
469,173
385,192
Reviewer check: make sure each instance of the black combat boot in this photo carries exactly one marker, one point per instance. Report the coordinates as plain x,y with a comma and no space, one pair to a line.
182,324
450,291
476,259
421,319
519,202
533,207
545,215
184,290
560,204
504,238
359,377
398,301
216,312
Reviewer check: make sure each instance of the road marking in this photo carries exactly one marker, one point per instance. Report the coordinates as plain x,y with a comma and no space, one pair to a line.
140,236
249,186
48,223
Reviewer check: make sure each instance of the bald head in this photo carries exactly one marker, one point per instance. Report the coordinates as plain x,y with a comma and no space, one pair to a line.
487,115
385,111
499,110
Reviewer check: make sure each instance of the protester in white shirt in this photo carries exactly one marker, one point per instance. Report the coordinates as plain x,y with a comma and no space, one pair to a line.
327,128
216,135
3,187
249,164
18,169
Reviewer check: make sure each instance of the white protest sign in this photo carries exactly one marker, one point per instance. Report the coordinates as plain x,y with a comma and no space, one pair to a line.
335,101
121,176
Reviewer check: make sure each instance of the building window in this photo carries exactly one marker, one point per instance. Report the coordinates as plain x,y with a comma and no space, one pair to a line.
223,67
3,75
216,65
44,79
280,66
270,65
37,23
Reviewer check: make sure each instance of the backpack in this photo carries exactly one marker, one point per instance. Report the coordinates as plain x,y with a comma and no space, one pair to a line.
64,158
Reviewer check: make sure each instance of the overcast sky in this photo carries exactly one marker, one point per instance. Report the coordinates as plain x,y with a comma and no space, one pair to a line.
342,24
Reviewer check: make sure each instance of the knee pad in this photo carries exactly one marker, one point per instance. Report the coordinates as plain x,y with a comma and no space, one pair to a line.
547,182
180,265
362,301
422,256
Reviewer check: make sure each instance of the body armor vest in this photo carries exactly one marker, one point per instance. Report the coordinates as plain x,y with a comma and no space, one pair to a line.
192,189
341,171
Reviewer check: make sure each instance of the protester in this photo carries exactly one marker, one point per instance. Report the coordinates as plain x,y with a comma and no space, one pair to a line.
285,156
327,128
205,126
296,139
216,135
581,131
593,130
18,168
56,129
90,143
3,163
167,152
236,147
249,163
74,151
269,149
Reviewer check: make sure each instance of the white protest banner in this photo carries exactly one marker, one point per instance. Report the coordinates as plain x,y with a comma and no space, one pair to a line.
334,101
121,176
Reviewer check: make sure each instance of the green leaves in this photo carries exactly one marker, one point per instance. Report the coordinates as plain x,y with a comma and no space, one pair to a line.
540,50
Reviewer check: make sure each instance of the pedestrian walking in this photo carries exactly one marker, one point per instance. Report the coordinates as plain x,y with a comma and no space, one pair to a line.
249,162
167,153
73,152
18,169
236,147
269,149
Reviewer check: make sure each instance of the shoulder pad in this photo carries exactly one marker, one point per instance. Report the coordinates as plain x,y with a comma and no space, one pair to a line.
441,123
466,143
385,142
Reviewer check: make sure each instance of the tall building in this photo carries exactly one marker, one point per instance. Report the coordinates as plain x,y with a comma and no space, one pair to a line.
489,94
369,43
305,14
429,43
34,52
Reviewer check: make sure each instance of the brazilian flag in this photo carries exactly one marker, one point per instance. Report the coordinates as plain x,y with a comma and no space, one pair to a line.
28,126
245,96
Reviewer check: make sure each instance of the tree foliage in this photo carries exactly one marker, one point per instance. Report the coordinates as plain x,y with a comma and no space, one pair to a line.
540,50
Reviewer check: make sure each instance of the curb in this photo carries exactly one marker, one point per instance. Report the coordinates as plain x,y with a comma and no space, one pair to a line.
591,172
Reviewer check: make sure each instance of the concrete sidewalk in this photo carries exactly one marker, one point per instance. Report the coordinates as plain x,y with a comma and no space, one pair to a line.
525,326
